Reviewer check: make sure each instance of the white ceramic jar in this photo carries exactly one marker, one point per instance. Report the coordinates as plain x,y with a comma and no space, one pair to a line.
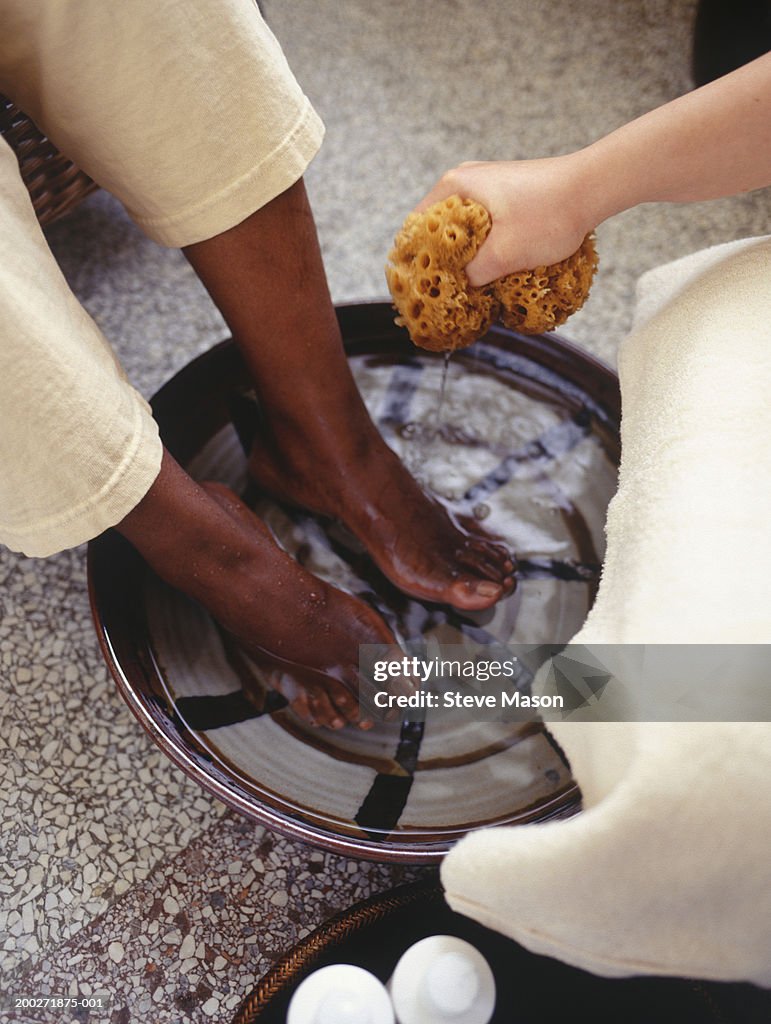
341,994
442,980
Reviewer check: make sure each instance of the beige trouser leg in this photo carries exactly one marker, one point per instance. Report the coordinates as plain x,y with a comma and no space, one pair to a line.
190,115
78,446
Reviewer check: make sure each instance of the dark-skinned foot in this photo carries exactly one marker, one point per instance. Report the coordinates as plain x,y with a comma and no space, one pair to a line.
320,682
322,451
208,544
410,536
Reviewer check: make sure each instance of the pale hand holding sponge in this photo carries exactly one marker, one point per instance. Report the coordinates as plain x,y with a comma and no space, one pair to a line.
442,311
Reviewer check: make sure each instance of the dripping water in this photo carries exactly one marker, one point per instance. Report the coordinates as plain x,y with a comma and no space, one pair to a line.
429,432
442,392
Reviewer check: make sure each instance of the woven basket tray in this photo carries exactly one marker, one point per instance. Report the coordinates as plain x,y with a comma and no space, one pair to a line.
55,184
373,935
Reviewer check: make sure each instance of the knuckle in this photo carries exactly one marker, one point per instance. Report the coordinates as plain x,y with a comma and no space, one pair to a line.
453,177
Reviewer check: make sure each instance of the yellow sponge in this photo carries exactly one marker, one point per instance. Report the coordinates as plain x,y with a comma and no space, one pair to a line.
439,307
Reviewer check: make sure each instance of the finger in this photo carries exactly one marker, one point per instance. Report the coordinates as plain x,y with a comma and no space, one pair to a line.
493,260
452,183
442,190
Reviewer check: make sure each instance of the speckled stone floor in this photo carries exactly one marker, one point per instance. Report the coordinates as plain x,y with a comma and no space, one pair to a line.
118,875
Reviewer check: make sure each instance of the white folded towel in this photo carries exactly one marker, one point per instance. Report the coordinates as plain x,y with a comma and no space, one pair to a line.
668,869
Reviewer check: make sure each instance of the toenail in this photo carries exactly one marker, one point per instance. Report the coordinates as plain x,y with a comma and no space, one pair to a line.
486,589
337,723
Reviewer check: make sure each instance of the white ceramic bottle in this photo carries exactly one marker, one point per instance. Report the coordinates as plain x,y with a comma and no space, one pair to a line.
442,980
341,994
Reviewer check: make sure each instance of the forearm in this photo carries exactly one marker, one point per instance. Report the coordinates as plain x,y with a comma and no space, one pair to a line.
712,142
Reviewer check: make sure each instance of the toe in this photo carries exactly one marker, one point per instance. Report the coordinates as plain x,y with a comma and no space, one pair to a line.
481,562
495,552
490,560
301,707
324,711
345,704
480,538
471,594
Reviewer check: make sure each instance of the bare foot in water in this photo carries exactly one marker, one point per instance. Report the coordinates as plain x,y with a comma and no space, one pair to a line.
327,697
410,537
218,552
322,450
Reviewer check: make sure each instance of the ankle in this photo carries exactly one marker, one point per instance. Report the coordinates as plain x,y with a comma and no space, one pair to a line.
181,531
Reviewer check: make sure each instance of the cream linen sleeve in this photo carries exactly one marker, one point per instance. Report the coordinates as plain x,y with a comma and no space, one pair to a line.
186,110
667,870
78,446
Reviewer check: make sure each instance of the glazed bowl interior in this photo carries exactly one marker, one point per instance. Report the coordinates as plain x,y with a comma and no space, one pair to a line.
525,444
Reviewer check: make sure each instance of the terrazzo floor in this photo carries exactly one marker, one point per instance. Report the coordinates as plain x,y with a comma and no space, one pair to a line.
118,874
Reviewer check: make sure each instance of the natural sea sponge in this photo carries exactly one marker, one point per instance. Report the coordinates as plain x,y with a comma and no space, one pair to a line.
435,302
439,307
534,301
